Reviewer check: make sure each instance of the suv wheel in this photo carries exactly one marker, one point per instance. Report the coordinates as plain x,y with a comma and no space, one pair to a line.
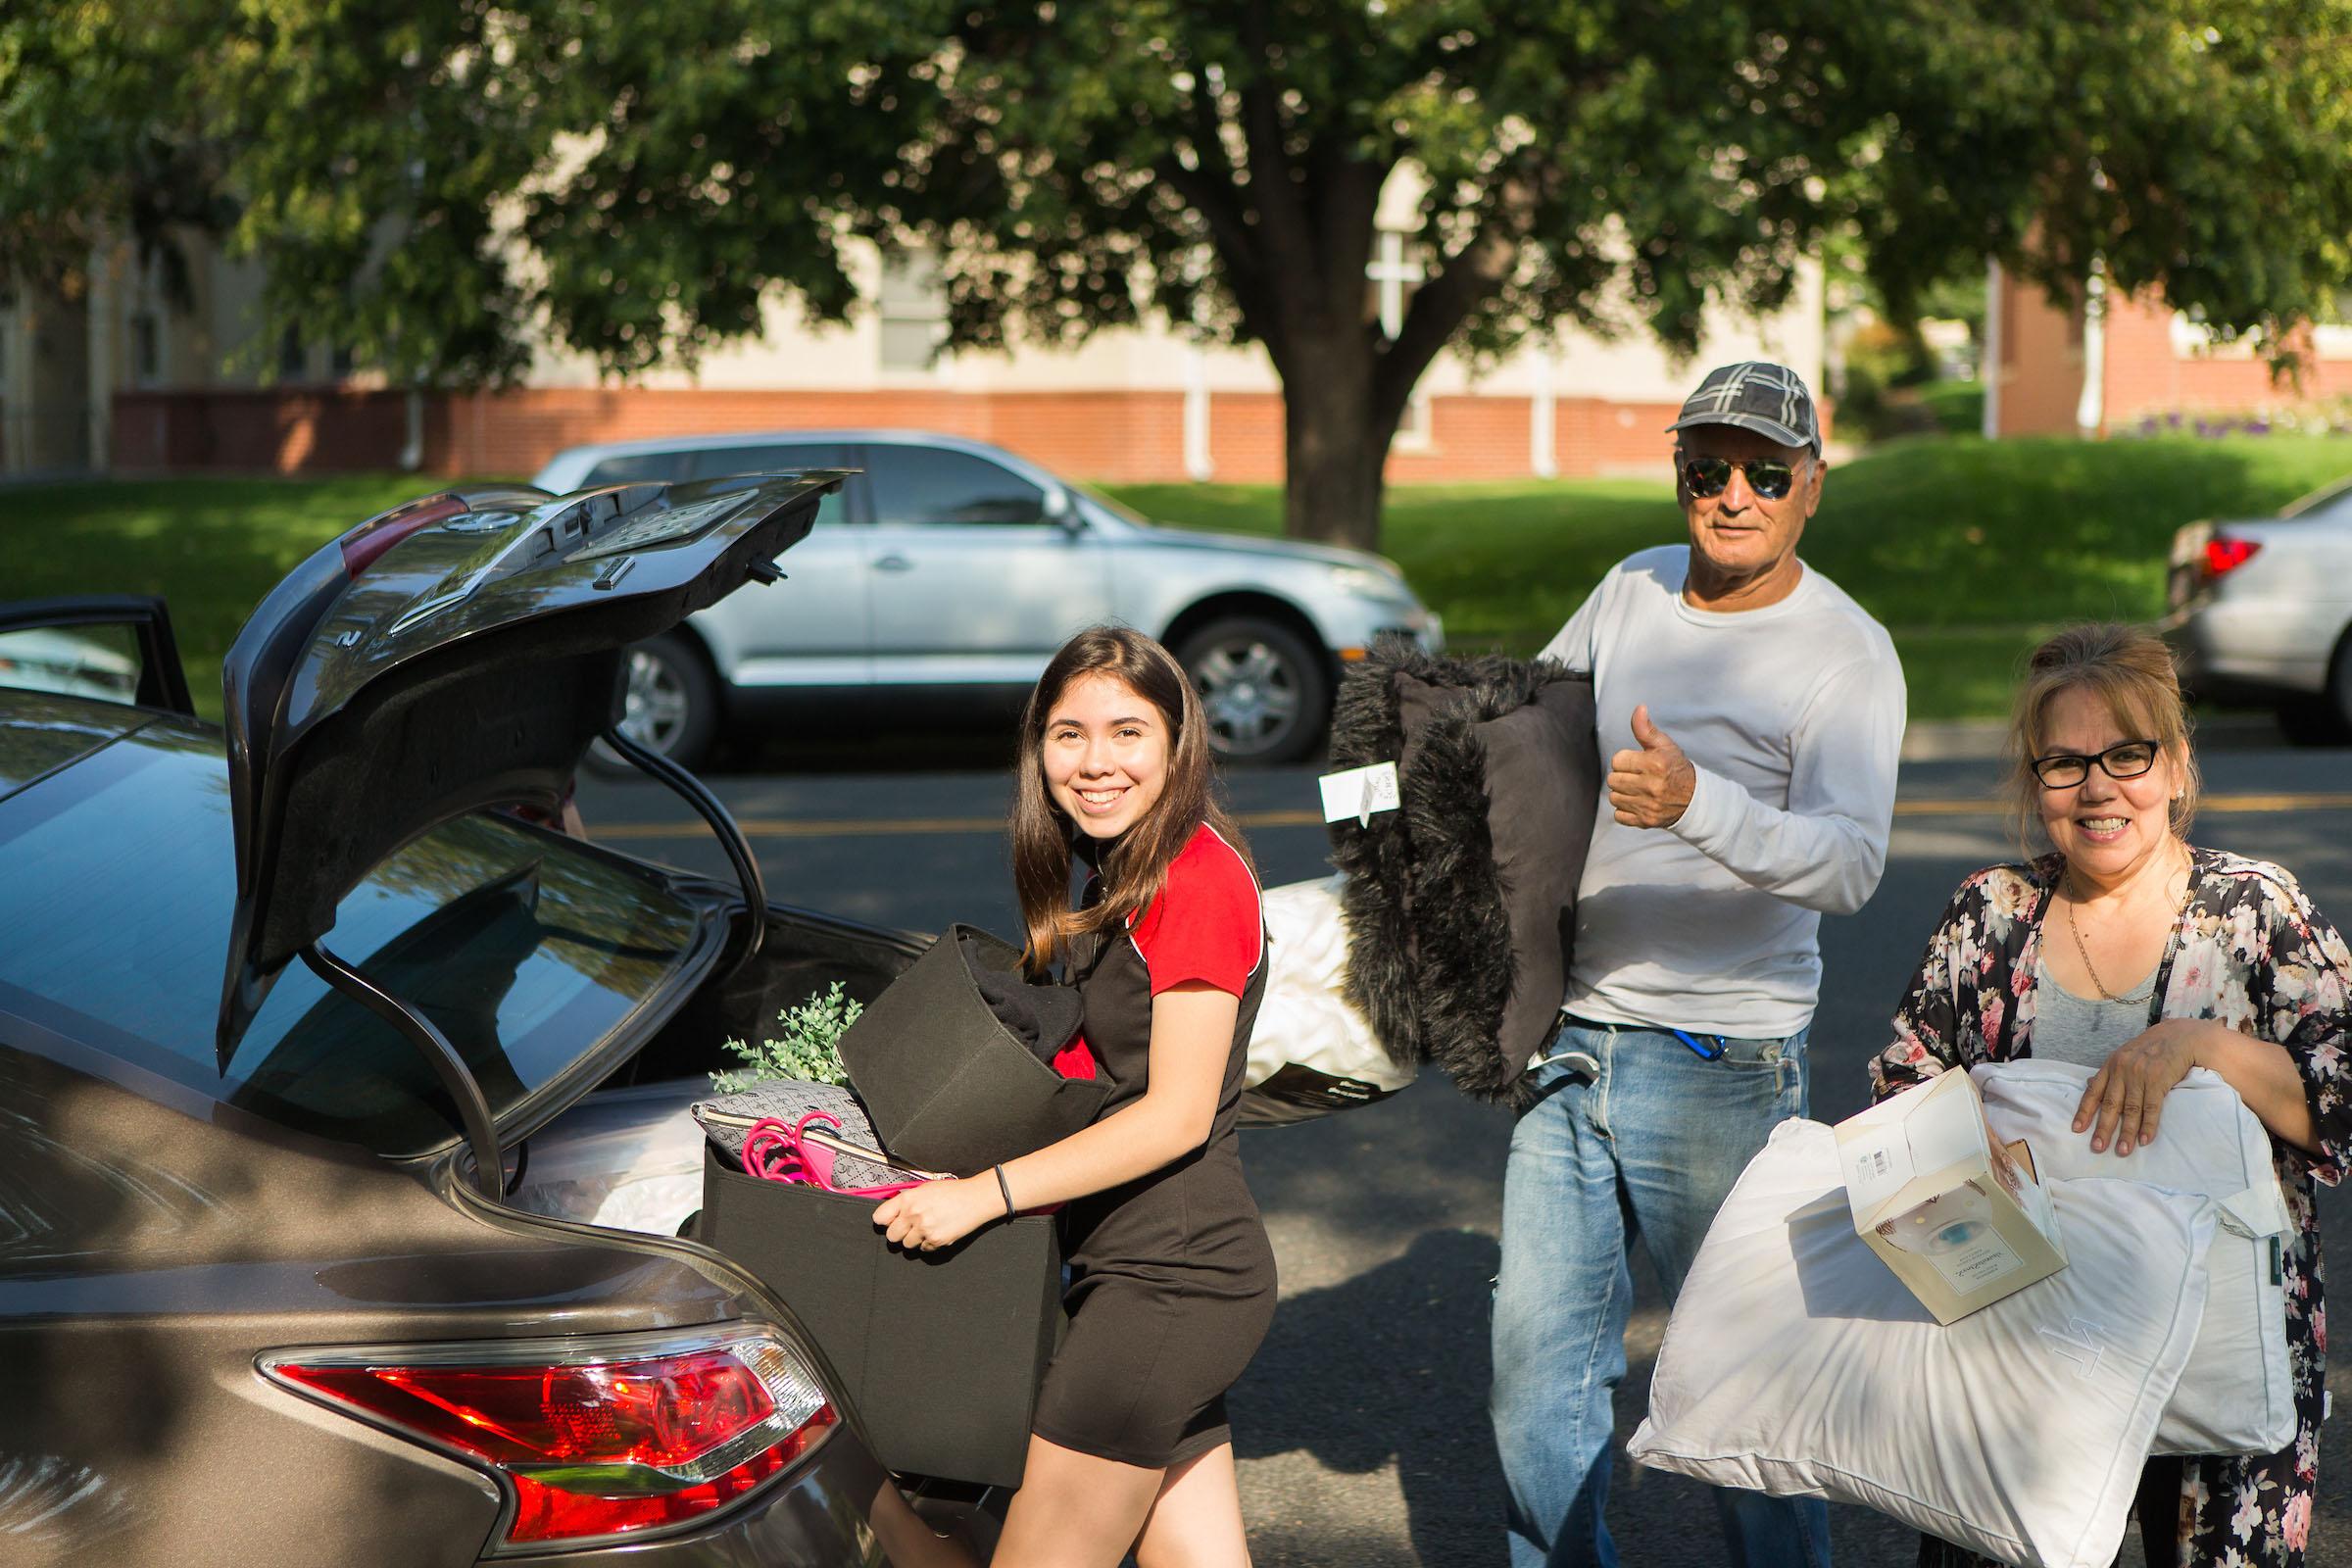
1263,687
670,702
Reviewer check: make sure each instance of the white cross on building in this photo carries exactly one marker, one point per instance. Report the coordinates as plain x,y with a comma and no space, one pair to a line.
1392,272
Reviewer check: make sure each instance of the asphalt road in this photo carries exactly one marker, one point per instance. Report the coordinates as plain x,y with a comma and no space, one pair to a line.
1361,1426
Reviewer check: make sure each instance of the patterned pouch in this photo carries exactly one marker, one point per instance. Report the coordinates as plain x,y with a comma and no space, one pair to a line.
726,1119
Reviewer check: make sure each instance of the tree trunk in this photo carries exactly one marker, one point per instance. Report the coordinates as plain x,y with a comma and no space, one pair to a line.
1335,444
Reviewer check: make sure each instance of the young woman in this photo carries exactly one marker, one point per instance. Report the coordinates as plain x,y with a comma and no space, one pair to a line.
1173,1278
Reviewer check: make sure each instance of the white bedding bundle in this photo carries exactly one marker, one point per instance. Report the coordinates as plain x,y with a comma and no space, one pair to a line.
1796,1363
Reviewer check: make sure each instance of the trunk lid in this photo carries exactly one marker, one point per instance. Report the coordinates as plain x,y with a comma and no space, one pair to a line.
455,653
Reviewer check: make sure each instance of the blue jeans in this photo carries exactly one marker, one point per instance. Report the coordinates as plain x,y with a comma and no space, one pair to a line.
1645,1140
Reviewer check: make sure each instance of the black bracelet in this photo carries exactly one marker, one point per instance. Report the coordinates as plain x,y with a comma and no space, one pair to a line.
1005,1187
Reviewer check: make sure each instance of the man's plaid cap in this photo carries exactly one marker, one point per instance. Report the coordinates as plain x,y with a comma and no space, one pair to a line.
1755,395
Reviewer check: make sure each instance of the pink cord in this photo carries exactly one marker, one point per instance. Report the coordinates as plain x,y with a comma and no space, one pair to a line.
773,1152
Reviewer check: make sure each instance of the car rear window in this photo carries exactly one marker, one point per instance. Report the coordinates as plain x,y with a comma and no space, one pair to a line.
924,484
720,462
635,468
527,951
2335,506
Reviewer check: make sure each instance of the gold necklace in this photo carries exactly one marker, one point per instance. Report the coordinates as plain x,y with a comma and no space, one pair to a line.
2074,926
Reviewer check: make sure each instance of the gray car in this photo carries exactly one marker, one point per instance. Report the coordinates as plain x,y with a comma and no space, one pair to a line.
2261,608
952,568
283,1006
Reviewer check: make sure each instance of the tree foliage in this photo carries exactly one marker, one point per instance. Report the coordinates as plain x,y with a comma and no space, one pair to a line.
441,186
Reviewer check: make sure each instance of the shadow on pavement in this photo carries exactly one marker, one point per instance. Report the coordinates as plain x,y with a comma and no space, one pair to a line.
1391,1365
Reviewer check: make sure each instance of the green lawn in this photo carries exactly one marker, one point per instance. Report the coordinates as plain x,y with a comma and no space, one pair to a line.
212,547
1966,550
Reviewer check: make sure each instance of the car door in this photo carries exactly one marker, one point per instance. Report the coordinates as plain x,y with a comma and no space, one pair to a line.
978,572
813,628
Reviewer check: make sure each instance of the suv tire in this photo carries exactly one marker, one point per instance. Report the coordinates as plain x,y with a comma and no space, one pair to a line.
672,703
1267,690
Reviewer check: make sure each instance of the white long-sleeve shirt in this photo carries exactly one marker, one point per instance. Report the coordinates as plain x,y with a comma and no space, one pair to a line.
1792,715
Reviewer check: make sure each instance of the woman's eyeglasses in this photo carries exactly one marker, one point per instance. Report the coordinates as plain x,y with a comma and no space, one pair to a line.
2063,770
1767,477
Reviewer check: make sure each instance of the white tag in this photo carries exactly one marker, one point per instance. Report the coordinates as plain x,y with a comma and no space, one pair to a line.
1877,1168
1359,791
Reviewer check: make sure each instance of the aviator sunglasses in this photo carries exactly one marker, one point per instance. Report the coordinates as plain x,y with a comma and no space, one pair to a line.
1769,477
2063,770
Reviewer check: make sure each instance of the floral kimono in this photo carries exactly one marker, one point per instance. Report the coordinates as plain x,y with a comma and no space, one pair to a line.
2250,950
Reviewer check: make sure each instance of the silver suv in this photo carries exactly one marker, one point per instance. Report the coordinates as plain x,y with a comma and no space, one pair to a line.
953,568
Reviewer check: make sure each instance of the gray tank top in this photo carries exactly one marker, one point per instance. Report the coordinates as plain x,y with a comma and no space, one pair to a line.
2084,1030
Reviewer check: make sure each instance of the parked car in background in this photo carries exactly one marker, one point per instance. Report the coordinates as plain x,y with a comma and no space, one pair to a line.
2261,608
283,1009
952,568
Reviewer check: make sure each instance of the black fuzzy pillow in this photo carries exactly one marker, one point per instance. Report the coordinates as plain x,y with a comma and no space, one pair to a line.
1461,906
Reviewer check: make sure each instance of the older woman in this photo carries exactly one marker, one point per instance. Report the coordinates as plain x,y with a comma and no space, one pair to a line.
2129,950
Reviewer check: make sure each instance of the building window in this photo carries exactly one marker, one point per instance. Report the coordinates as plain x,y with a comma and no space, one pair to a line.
146,348
1414,431
340,362
293,356
913,311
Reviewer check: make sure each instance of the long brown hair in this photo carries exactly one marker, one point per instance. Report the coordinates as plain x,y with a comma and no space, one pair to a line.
1134,869
2131,671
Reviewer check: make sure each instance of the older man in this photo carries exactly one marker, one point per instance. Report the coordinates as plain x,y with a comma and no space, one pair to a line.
1752,713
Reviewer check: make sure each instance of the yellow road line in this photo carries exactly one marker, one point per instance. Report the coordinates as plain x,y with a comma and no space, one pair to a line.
914,826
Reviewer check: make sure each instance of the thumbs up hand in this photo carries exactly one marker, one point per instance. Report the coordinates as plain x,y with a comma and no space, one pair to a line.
1651,786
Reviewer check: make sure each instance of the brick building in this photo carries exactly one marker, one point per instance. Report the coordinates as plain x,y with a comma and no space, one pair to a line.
118,381
2060,369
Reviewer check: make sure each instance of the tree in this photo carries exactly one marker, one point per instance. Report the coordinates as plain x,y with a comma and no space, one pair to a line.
1621,164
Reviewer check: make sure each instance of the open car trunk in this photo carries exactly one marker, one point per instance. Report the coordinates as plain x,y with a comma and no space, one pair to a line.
803,953
628,1154
941,1353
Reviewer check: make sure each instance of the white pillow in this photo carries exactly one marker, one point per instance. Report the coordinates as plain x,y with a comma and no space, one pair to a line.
1796,1363
1311,1051
2237,1395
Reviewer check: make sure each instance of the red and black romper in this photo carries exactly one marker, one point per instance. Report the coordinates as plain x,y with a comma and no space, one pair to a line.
1172,1276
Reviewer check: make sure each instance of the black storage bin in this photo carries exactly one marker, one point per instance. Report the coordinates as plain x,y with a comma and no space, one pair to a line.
948,1086
940,1352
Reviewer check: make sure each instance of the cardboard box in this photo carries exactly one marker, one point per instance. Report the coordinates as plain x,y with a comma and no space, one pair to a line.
1958,1216
939,1353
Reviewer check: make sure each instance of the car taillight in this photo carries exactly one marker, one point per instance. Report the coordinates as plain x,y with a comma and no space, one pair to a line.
593,1437
2224,555
379,534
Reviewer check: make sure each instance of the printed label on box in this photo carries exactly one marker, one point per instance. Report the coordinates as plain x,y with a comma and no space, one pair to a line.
1977,1262
1877,1164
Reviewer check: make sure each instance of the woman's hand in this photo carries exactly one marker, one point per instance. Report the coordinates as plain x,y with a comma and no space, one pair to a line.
2126,1097
938,1213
